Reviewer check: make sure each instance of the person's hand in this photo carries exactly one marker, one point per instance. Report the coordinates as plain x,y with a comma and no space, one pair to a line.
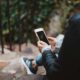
52,42
41,45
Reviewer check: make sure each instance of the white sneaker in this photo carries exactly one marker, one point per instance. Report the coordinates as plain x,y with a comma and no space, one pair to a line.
28,65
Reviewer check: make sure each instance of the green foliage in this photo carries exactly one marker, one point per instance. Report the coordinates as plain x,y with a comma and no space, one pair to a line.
23,16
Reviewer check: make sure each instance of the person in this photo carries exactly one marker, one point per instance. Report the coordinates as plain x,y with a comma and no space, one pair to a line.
70,50
31,65
67,65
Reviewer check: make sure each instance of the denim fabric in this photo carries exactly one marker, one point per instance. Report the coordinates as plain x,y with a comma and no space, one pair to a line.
39,59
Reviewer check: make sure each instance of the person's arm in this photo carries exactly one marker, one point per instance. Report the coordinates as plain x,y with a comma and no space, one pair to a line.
49,59
50,63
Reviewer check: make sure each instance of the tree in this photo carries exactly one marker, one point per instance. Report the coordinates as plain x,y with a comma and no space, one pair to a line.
22,16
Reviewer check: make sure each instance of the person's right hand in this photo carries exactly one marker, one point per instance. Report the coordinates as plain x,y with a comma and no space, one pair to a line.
41,45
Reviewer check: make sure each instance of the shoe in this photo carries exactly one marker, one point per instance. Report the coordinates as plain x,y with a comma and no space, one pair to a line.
28,65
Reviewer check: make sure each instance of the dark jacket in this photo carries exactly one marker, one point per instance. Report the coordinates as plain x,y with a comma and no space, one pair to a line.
50,62
70,50
67,66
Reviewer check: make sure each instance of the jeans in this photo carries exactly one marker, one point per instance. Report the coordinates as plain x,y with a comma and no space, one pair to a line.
39,59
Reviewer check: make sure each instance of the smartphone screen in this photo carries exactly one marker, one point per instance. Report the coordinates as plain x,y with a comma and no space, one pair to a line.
42,36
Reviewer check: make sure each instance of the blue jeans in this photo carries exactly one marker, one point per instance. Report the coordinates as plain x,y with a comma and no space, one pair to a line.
38,59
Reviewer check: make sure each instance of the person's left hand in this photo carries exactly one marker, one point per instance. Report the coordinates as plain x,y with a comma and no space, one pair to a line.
52,42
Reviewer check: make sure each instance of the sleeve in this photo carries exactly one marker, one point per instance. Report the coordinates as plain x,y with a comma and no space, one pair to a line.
50,62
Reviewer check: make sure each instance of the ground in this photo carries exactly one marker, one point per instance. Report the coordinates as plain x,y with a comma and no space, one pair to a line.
10,61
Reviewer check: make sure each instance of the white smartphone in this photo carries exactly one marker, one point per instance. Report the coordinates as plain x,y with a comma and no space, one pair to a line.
41,35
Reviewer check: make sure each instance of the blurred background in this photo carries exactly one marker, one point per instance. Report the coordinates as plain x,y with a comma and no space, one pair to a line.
18,18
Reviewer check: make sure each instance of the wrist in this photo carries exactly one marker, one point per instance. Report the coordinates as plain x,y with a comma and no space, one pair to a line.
46,48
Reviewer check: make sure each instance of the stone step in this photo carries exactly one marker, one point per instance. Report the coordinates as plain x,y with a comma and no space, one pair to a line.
33,77
6,76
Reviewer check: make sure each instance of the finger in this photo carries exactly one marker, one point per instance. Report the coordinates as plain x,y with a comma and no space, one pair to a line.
41,42
51,38
40,46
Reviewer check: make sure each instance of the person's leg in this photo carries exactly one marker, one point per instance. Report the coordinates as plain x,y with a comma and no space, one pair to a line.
38,59
31,65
